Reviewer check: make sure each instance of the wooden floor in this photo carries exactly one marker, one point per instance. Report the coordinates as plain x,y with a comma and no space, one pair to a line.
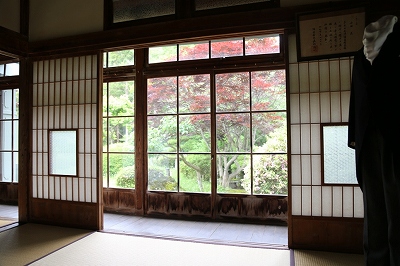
199,231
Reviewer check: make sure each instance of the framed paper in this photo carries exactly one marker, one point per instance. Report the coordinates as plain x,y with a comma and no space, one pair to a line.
330,34
338,160
63,154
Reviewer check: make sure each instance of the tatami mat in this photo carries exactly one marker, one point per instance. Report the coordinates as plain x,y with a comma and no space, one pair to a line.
114,249
318,258
4,222
26,243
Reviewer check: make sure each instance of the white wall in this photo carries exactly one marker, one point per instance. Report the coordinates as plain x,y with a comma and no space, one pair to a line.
49,19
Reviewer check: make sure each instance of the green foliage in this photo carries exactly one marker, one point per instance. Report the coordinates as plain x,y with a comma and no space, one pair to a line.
126,177
159,181
270,171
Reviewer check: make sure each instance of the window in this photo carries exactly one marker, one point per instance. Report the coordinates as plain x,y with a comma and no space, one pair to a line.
10,69
63,152
234,47
338,159
119,134
209,129
233,122
9,114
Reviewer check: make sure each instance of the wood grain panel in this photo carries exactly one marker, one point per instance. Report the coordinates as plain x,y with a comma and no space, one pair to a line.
327,234
64,213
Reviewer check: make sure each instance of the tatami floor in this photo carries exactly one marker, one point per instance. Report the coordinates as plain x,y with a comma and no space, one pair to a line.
199,231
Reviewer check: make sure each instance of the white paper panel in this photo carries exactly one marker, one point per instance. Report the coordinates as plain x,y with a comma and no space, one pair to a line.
358,203
294,109
51,94
88,165
315,139
337,201
348,201
305,139
306,170
75,189
345,75
69,188
51,187
327,201
63,93
324,75
334,75
82,189
336,109
314,76
40,187
294,79
88,186
316,201
45,94
304,108
39,118
325,107
63,188
345,105
306,201
296,170
296,200
57,69
315,108
45,187
57,94
94,189
304,77
57,192
295,139
316,169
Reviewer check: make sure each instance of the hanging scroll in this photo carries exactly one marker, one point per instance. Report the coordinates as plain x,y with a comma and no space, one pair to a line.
329,34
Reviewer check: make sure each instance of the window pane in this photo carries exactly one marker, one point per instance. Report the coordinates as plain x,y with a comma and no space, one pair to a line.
193,51
63,152
232,92
8,104
194,94
15,134
339,164
2,71
6,135
162,173
127,10
195,173
270,173
121,99
230,172
262,45
162,95
227,48
12,69
160,54
233,132
121,170
121,134
269,132
194,133
162,133
6,166
15,164
120,58
268,90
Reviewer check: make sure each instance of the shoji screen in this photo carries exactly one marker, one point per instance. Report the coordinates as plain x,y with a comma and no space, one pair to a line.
319,93
65,98
323,217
